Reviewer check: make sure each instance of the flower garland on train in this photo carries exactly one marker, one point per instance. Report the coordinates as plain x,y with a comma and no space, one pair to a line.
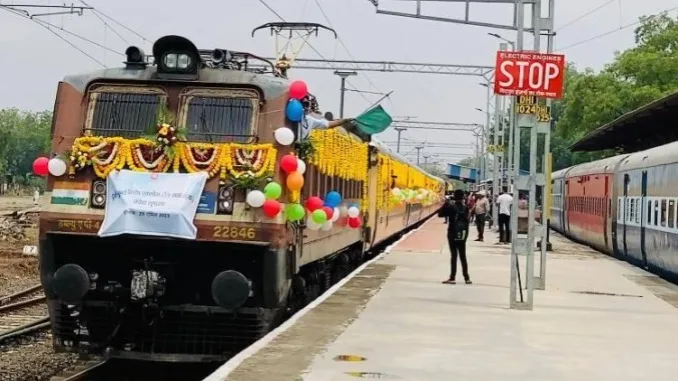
411,184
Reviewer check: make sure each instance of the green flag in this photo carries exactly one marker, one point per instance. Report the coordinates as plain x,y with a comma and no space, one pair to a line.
373,121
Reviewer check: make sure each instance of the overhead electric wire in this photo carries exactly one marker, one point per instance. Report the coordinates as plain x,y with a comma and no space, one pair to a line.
47,25
584,15
369,80
119,23
615,30
309,45
106,24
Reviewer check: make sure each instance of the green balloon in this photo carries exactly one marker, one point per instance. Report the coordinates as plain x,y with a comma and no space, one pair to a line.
272,190
319,216
294,212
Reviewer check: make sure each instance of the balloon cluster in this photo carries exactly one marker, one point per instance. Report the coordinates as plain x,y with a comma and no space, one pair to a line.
267,200
324,213
55,166
294,112
421,195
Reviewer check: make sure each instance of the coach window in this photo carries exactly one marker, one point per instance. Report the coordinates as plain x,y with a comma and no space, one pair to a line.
639,207
649,212
663,213
656,212
672,213
632,207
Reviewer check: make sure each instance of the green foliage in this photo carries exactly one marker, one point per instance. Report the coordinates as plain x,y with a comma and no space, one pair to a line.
23,137
636,77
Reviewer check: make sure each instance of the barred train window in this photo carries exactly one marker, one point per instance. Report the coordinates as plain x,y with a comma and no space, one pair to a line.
672,212
632,215
213,118
127,114
639,208
649,212
663,213
656,212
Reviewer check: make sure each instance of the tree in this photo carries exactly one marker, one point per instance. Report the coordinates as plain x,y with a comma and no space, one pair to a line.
636,77
23,137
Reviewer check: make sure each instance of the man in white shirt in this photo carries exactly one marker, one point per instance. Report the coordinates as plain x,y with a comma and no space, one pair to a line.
504,201
313,119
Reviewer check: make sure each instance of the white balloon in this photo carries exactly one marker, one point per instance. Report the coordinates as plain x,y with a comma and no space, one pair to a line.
301,166
335,214
256,199
312,224
353,212
327,225
56,166
284,136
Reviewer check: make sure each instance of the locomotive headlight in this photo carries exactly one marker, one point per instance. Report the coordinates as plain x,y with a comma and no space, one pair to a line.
170,61
177,61
183,61
98,194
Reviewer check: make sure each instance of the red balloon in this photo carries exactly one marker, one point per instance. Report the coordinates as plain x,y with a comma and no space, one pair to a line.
271,208
313,203
40,166
298,90
289,163
329,211
354,222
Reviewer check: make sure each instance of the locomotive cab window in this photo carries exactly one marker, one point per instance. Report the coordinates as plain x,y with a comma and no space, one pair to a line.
220,115
123,110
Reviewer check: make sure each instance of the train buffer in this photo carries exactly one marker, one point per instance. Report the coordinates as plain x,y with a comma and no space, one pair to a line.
598,319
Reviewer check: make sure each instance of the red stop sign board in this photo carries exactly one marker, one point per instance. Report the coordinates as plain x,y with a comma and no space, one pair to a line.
529,73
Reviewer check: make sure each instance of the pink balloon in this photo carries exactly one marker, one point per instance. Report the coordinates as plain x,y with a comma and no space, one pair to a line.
40,166
298,90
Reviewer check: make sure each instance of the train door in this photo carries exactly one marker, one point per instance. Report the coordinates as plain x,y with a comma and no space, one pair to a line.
643,217
625,212
606,210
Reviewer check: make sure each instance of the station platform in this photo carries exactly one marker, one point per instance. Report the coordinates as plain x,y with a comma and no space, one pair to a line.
598,319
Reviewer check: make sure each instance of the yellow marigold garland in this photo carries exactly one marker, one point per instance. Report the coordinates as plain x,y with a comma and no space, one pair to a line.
128,153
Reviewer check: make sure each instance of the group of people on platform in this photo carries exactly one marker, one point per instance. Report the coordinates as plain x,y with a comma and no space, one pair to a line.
460,211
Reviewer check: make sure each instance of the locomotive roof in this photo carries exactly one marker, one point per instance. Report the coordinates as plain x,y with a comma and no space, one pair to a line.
666,154
271,86
607,165
560,173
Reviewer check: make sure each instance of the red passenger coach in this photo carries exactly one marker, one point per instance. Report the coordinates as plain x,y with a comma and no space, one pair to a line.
589,205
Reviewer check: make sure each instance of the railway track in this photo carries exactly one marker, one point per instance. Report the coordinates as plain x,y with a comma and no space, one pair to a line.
16,315
83,371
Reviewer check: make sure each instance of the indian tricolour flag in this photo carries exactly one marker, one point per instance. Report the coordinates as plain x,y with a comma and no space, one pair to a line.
70,193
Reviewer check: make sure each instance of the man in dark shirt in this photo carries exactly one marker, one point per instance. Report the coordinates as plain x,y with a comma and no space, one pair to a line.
457,214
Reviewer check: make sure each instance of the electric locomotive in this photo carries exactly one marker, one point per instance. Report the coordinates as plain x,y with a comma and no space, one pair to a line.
166,299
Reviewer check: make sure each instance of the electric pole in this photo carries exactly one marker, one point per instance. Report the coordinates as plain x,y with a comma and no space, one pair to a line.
418,148
343,75
400,131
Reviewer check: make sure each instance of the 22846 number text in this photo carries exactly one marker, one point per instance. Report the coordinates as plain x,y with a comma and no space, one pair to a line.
235,233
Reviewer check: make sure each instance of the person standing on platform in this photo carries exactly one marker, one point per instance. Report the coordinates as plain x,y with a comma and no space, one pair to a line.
471,202
504,202
457,214
480,210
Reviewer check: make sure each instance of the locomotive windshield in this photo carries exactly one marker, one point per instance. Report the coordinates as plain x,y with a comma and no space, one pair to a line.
125,112
218,116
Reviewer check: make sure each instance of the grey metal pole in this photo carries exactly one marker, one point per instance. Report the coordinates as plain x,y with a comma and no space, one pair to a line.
520,21
544,244
400,130
418,148
343,75
495,158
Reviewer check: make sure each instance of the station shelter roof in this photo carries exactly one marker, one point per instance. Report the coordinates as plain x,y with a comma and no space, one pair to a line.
459,172
648,126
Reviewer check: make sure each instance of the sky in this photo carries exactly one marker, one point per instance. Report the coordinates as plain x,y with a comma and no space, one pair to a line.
35,59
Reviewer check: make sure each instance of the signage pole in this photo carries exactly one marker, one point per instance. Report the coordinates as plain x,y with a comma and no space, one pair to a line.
496,169
520,21
547,160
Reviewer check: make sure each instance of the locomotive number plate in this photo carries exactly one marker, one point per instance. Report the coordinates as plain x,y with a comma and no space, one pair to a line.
234,233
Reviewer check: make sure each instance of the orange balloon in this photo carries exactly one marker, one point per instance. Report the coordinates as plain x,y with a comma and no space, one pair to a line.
295,181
